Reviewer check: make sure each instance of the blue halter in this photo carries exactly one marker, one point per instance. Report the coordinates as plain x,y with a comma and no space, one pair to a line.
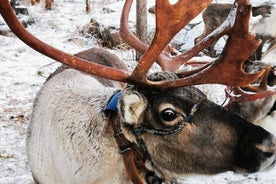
112,104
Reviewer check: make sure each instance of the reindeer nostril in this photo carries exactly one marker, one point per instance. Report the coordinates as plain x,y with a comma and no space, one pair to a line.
266,149
265,154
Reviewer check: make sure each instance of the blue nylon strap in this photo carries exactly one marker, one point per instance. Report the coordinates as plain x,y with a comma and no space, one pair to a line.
112,104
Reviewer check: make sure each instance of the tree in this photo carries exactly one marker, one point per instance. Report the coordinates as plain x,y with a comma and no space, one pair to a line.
141,22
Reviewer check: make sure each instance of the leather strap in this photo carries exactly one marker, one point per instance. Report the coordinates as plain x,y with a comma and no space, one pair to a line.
133,160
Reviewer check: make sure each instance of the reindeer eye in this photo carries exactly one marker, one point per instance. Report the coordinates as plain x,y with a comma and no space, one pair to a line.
168,115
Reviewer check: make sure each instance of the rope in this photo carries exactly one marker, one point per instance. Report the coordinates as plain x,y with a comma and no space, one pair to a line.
139,130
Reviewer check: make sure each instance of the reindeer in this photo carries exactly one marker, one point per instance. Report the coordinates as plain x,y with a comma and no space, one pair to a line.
267,26
48,3
248,107
216,13
270,55
88,129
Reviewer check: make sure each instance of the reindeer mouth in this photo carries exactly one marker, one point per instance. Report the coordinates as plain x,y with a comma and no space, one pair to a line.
268,164
266,152
256,157
272,165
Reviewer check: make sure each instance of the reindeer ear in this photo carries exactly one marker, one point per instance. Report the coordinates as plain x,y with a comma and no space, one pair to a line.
131,107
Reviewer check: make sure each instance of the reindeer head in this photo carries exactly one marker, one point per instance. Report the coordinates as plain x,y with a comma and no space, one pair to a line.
181,130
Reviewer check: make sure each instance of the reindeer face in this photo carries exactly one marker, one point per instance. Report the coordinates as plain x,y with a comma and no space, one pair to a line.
213,140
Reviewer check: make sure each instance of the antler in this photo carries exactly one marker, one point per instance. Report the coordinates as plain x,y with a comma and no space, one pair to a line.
170,19
228,66
251,92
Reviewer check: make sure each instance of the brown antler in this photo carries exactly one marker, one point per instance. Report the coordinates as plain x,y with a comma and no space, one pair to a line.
251,92
170,19
228,66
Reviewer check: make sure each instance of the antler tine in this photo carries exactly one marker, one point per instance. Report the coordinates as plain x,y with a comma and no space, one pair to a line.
133,41
170,19
242,96
227,69
74,62
263,84
251,93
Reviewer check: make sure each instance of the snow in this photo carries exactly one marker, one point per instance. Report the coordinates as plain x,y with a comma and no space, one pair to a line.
23,72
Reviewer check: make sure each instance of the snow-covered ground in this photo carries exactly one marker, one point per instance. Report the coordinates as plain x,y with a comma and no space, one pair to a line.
23,72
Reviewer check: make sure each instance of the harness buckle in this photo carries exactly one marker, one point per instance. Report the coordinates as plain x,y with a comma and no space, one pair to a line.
123,150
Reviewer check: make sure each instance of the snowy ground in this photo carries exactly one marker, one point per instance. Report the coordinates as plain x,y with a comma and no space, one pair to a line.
23,71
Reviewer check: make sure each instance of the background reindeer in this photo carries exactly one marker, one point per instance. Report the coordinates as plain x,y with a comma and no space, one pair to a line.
267,26
216,13
139,106
259,111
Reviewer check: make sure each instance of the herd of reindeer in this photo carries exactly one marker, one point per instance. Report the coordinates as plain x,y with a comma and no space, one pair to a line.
94,121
